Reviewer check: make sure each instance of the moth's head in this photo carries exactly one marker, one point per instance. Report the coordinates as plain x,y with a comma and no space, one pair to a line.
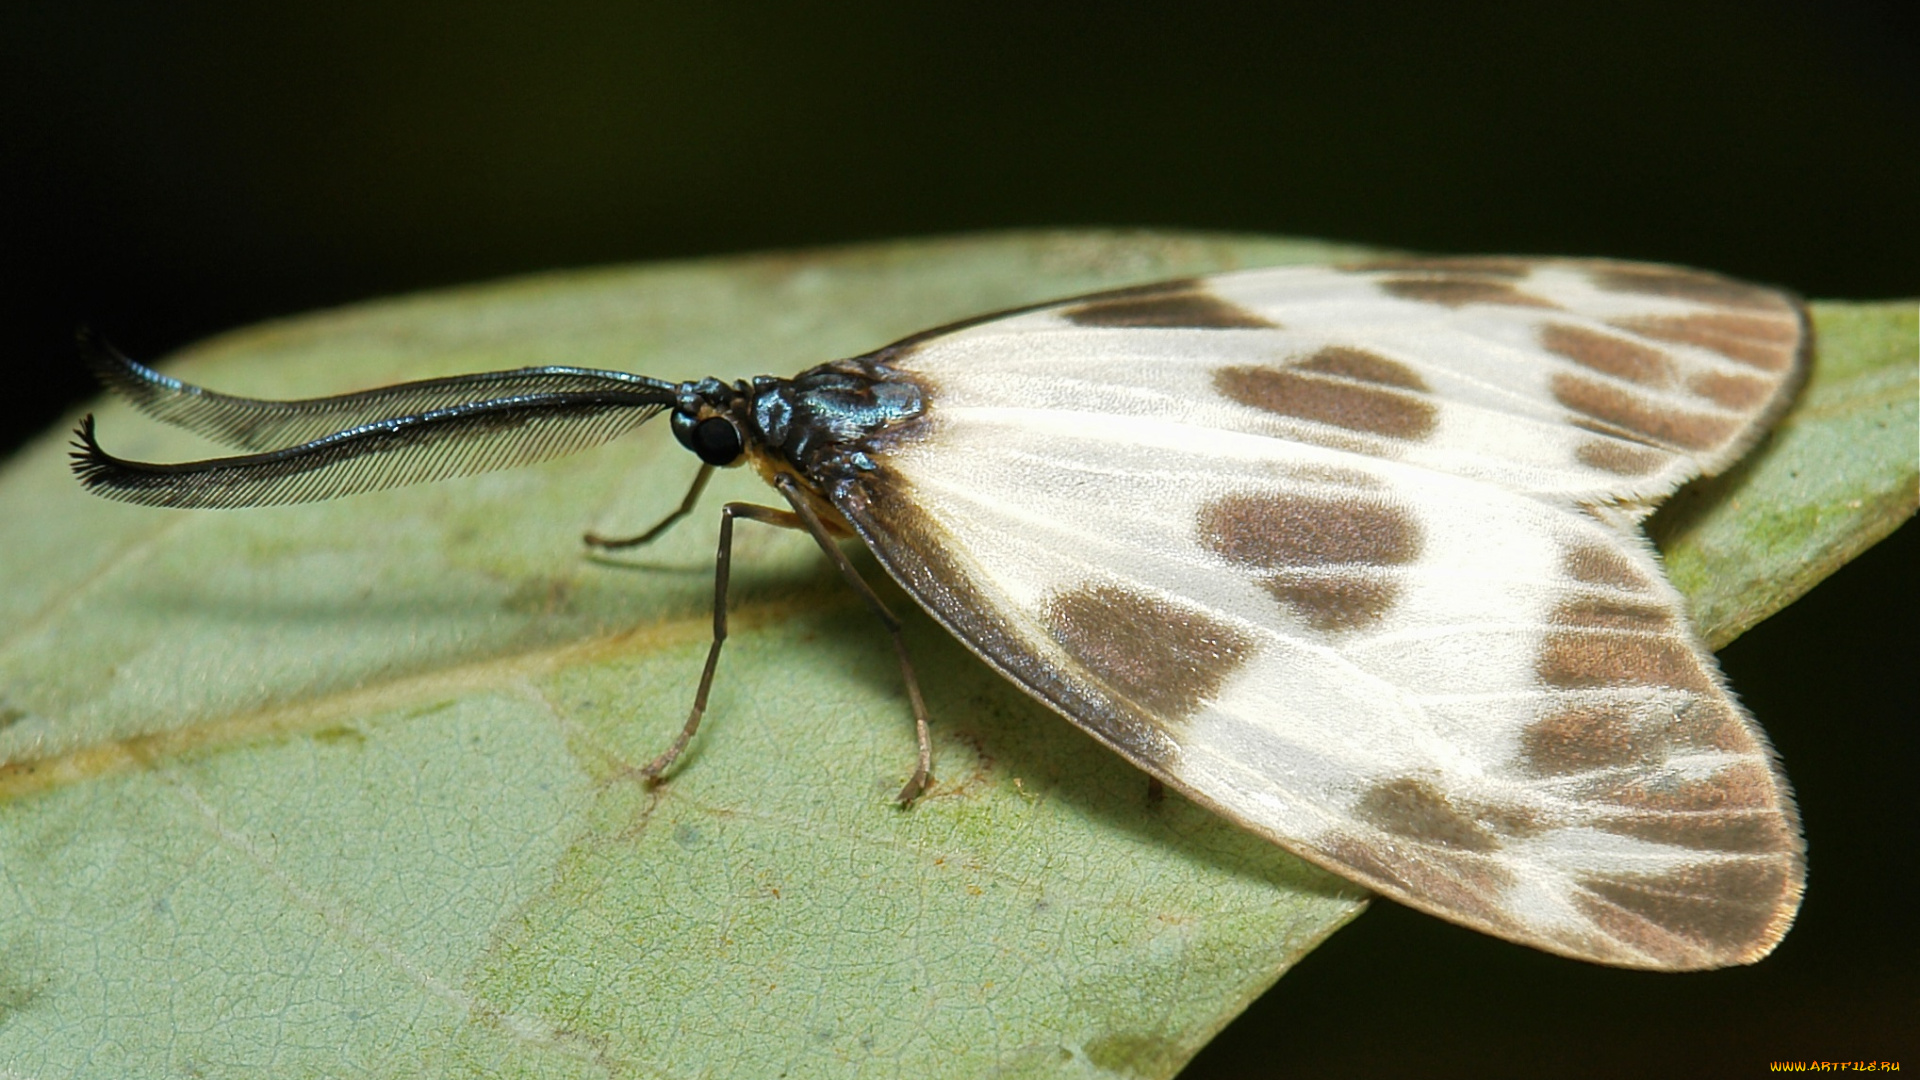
709,418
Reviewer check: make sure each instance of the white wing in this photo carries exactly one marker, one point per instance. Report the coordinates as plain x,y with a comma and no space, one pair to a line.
1351,556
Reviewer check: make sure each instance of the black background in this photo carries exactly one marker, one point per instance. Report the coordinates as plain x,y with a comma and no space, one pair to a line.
168,171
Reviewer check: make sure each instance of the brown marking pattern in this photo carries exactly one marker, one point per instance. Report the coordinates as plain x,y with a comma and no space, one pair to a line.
1411,807
1285,530
1611,431
1612,613
1334,475
1465,884
1361,365
1330,603
1598,564
1681,284
1590,736
1509,820
1713,725
1315,553
1743,785
1455,292
1710,724
1186,310
1751,832
1372,406
1608,354
1732,391
1766,342
1658,422
1621,458
1581,659
925,559
1168,657
1721,905
1581,738
1469,266
907,346
1599,640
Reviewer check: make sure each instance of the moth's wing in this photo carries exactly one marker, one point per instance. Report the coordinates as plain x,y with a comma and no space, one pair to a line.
1589,382
1350,556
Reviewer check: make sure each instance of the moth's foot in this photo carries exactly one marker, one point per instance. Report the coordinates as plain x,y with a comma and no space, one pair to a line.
611,543
917,784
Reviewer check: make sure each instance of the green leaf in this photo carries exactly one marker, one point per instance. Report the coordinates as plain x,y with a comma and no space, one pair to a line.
1837,474
350,788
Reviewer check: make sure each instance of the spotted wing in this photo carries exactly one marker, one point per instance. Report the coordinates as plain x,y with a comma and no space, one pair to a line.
1352,557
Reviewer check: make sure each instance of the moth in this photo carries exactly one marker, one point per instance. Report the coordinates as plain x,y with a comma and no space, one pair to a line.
1350,555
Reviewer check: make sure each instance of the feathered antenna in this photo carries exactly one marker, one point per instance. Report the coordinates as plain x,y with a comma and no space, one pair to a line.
320,448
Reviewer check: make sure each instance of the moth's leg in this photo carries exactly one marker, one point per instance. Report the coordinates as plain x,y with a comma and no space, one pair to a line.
722,566
608,543
922,773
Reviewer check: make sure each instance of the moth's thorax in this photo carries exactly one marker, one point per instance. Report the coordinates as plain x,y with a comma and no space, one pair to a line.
819,427
826,420
821,423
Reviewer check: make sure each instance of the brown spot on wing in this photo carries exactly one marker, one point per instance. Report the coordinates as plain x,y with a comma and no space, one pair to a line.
1621,458
1762,341
1466,885
1361,365
1470,265
907,346
1611,431
1581,738
1335,602
1608,354
1587,659
1509,820
1187,310
1457,292
1678,283
1415,809
1284,530
1344,402
1732,909
1170,657
1743,785
1658,421
1596,735
1599,564
1317,554
1747,831
1334,475
1712,725
928,563
1732,391
1610,613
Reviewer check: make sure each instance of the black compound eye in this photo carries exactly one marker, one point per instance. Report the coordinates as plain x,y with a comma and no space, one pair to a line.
716,440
